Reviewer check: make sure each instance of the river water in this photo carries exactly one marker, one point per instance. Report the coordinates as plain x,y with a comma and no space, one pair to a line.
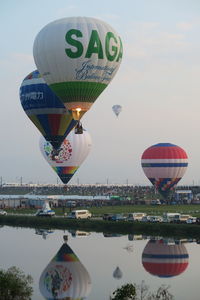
92,265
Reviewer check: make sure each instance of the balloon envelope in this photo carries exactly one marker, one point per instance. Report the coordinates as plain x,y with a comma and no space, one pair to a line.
65,277
77,57
163,260
45,109
164,164
75,149
117,109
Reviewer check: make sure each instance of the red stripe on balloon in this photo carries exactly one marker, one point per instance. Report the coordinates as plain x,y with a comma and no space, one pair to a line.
164,153
165,269
54,123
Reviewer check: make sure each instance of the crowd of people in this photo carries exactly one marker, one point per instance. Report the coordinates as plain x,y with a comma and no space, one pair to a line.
87,190
131,192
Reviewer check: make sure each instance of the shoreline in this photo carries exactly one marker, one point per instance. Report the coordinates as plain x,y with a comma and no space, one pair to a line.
120,227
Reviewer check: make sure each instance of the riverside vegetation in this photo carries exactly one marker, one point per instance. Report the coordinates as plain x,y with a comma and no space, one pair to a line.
194,210
18,218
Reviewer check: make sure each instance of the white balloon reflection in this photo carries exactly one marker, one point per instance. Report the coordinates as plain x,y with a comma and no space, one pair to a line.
65,277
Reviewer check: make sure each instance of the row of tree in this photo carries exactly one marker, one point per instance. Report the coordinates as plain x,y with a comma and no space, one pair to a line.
15,285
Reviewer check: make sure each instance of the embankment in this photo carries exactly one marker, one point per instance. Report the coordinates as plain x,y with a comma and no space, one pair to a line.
158,229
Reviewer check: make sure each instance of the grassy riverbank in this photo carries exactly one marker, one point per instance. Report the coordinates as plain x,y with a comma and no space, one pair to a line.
158,229
194,210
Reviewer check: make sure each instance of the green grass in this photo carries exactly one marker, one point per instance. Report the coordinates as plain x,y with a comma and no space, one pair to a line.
148,209
194,210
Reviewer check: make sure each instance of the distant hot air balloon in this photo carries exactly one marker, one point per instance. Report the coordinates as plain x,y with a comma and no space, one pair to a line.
117,273
164,164
117,109
164,260
65,277
74,151
45,109
77,57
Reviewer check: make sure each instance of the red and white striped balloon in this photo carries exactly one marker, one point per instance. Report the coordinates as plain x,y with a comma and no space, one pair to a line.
165,260
164,164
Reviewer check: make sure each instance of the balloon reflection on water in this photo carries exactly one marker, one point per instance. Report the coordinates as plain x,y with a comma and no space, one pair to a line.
65,277
117,109
165,259
43,232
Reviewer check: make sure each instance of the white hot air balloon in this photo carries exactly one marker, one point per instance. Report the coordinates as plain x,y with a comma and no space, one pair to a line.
65,277
74,151
117,109
77,57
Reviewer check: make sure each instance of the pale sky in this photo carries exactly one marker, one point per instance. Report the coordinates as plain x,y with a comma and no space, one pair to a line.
157,85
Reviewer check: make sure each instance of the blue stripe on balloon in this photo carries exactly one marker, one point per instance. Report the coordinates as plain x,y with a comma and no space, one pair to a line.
160,165
167,256
39,95
44,121
164,145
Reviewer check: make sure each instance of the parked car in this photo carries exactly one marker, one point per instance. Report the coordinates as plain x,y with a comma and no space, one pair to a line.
46,211
191,220
118,217
145,219
198,221
155,202
3,212
155,219
107,217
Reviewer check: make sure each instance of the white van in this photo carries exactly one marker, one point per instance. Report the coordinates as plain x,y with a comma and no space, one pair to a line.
80,214
136,216
171,217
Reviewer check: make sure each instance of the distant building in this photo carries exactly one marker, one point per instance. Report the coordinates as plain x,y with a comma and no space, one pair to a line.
183,196
37,201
